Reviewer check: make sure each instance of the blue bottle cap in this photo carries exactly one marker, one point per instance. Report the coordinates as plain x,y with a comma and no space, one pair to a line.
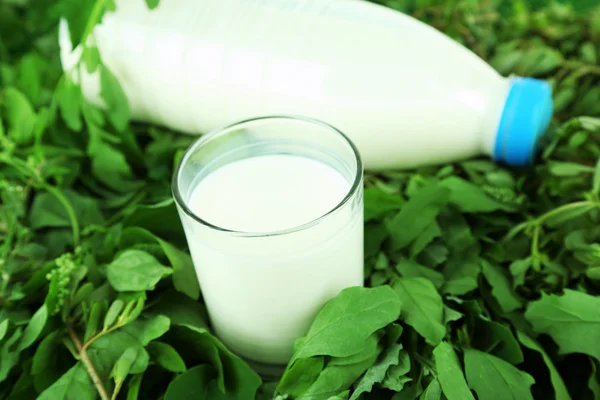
525,118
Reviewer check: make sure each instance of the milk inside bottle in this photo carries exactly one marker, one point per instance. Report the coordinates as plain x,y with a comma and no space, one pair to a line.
405,94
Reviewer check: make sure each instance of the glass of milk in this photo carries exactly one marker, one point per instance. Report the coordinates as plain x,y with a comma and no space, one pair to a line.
272,209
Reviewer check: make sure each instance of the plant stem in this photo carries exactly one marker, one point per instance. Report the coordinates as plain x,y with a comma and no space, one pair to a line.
88,365
544,217
99,335
92,21
17,164
535,252
585,68
117,390
70,212
34,174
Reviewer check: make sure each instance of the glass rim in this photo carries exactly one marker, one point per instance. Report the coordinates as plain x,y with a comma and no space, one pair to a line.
358,176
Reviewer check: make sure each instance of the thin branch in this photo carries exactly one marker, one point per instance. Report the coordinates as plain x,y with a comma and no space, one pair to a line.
88,365
117,390
91,340
93,19
68,209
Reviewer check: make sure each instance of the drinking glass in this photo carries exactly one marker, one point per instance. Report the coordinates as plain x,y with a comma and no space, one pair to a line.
263,289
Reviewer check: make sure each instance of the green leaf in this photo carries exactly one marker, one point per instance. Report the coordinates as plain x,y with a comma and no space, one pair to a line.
91,58
301,375
75,384
425,238
92,115
340,396
30,74
19,114
110,5
422,308
152,218
181,310
113,313
379,203
124,364
23,387
135,305
34,328
45,352
166,356
567,169
451,315
82,293
560,390
540,60
494,379
9,357
3,329
411,269
594,381
376,373
433,391
588,53
417,214
152,4
135,270
450,373
496,338
458,236
192,384
593,273
564,97
335,379
114,98
371,348
68,96
460,286
518,270
146,330
375,235
105,351
91,327
48,212
395,377
346,321
133,389
109,164
572,320
77,13
501,287
568,213
184,274
596,179
470,198
234,378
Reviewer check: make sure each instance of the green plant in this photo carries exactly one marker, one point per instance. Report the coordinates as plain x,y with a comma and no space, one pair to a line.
482,282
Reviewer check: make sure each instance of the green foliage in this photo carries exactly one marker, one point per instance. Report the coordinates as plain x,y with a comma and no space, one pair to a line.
571,319
450,374
481,281
135,270
344,324
422,307
494,378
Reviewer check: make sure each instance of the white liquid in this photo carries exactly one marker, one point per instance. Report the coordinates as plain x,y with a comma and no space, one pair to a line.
263,292
268,193
404,93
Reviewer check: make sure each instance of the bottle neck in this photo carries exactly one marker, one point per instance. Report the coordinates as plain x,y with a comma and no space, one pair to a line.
491,120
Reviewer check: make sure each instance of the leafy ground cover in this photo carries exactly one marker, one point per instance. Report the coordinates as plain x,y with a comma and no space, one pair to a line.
481,282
